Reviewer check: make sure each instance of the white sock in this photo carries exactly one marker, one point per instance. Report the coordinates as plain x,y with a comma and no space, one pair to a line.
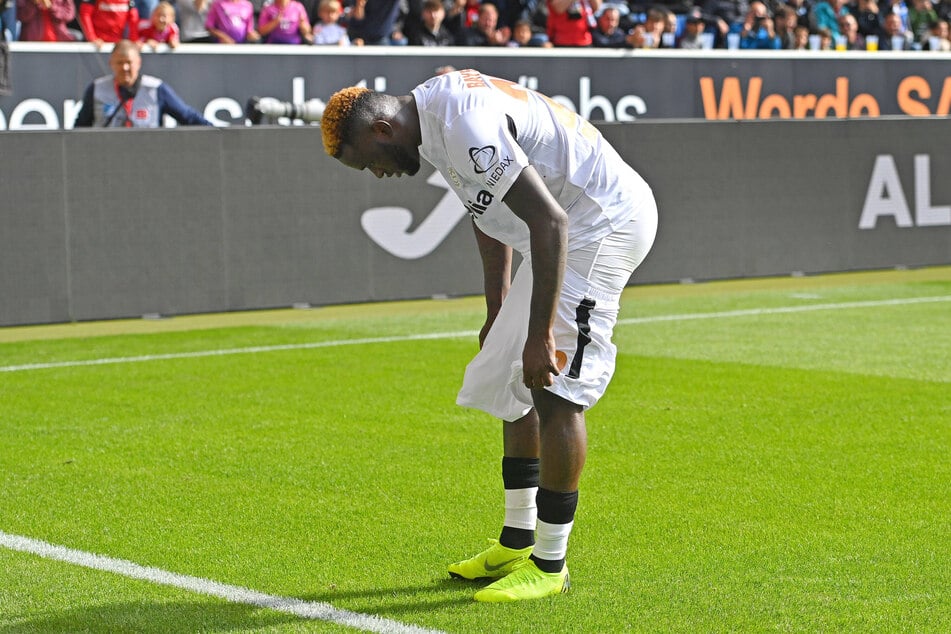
551,541
520,509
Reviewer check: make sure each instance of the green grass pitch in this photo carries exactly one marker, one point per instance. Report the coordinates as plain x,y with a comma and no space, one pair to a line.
772,456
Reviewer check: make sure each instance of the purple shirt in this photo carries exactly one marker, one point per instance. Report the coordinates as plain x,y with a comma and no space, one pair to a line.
234,17
288,29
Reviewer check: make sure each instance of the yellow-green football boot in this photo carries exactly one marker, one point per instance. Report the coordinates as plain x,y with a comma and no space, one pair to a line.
527,581
492,563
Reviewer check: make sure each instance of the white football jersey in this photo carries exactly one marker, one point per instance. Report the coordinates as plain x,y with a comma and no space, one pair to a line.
480,132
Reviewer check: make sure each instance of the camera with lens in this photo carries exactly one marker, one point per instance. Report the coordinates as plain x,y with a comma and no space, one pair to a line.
260,110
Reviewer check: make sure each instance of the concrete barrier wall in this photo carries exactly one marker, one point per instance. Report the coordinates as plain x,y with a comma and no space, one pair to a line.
99,224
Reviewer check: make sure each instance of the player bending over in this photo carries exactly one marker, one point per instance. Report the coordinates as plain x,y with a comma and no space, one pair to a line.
539,179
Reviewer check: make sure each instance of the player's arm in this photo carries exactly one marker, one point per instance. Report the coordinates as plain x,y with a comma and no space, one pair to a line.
530,200
497,276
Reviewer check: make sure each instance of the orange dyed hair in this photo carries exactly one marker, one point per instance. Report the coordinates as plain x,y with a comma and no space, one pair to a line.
336,117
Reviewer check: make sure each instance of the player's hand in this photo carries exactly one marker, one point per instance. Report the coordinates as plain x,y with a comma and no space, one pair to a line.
539,363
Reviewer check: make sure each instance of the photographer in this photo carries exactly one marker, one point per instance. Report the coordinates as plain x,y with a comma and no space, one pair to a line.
758,29
570,22
131,100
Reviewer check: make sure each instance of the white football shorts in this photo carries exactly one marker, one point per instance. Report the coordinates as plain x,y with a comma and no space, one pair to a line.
587,313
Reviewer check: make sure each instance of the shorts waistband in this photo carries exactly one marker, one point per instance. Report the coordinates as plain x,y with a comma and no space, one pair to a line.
606,298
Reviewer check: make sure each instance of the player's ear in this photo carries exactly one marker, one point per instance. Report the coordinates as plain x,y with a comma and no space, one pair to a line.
382,128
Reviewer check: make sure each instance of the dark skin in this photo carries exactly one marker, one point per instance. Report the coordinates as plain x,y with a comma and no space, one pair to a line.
554,430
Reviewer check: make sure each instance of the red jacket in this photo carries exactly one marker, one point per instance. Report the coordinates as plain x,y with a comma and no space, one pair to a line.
33,21
571,28
107,20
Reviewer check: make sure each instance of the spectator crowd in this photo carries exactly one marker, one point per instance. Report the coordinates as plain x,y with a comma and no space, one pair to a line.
868,25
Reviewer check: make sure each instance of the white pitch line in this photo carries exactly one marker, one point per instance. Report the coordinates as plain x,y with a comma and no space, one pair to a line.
230,351
777,310
313,610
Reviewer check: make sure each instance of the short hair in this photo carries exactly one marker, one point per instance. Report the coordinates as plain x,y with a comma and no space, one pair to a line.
337,121
125,47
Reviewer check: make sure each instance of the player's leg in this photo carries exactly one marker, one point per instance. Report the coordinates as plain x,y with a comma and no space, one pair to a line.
563,448
520,477
520,474
587,312
491,385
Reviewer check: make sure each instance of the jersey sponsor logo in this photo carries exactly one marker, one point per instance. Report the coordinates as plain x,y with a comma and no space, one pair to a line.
499,170
482,201
483,158
142,114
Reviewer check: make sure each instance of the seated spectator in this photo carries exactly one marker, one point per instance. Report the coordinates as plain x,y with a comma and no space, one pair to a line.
523,34
826,40
692,37
461,15
285,22
894,37
376,23
232,22
801,42
802,9
727,15
920,15
899,7
328,29
161,28
654,26
849,28
608,34
825,15
428,29
485,31
45,20
637,36
570,22
784,23
191,21
107,21
868,16
668,33
937,39
758,31
131,100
